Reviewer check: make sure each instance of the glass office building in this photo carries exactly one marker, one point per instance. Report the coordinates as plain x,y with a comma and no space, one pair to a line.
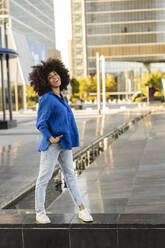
79,55
31,32
129,33
32,27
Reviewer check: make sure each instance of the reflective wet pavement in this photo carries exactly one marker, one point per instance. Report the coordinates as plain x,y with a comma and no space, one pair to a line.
123,188
19,158
129,177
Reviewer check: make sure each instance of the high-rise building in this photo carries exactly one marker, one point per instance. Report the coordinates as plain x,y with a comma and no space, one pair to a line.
31,32
79,54
127,32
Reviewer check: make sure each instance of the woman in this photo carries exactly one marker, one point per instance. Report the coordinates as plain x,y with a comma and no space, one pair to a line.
55,120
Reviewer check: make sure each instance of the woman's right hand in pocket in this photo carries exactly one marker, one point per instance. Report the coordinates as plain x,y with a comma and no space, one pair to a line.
55,140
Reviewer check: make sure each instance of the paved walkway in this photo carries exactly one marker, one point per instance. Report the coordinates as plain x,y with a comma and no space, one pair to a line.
19,158
129,177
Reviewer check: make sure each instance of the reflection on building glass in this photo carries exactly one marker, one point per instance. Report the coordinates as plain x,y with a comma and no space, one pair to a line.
128,33
31,32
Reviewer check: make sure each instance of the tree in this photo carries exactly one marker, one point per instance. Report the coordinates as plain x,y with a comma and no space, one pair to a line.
84,85
89,84
110,83
30,91
93,84
152,79
32,96
75,86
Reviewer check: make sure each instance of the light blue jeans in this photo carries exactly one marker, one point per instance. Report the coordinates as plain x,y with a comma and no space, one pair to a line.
48,161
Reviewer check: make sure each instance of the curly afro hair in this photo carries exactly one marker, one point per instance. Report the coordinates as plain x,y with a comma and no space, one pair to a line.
39,76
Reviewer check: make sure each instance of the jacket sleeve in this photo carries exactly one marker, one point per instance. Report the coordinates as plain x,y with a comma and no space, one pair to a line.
44,112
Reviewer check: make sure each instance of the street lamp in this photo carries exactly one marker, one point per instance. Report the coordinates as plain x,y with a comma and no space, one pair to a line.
103,81
7,54
102,59
98,82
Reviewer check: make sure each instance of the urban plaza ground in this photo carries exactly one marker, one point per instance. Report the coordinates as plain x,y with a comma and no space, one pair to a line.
124,186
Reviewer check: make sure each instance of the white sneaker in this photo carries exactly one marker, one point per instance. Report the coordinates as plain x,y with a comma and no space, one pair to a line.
84,215
41,217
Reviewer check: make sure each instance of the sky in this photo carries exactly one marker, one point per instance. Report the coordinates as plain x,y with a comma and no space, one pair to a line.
63,28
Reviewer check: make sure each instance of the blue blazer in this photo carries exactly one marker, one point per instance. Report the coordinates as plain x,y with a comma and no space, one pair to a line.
55,117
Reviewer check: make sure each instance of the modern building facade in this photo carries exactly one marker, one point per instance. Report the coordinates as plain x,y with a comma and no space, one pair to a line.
31,32
127,32
79,54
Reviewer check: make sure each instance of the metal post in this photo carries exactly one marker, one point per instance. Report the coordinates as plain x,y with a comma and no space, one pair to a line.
98,82
8,73
103,82
24,97
9,87
163,83
84,38
16,90
3,91
148,69
126,83
2,82
148,95
141,84
129,87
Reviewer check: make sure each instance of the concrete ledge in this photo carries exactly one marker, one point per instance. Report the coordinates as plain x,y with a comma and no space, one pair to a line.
19,229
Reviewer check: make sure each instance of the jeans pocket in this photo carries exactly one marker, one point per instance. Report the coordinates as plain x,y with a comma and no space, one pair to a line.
44,154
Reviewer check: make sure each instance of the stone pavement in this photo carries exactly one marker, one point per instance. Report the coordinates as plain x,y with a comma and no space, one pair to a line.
128,177
19,158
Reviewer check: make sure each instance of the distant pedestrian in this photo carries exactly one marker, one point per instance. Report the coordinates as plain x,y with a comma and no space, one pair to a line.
55,120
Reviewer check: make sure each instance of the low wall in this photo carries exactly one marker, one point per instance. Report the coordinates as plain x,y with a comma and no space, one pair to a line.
19,229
